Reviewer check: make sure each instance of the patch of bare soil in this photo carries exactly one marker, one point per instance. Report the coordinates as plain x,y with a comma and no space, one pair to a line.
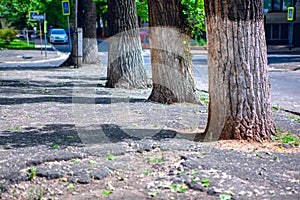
248,146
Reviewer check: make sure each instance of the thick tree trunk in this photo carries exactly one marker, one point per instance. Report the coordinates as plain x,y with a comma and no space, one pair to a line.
239,89
125,60
172,72
87,21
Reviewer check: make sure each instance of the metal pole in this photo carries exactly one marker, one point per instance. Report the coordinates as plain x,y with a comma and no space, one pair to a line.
27,38
41,40
291,30
76,33
145,32
69,33
45,31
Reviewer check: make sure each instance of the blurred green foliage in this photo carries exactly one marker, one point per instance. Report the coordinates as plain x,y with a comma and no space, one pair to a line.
194,9
7,35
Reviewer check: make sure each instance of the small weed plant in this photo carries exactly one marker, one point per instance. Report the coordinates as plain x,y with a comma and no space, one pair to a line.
32,173
286,138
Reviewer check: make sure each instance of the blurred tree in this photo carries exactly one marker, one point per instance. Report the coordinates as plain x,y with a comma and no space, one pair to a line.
87,21
172,72
142,11
16,12
194,10
125,60
101,10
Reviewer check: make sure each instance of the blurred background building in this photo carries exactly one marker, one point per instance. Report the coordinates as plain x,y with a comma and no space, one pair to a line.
277,26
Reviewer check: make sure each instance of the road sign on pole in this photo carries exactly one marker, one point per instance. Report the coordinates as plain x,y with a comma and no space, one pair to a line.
45,26
31,14
65,7
38,18
290,14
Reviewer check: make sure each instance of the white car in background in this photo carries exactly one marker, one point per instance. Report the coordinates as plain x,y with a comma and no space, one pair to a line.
57,36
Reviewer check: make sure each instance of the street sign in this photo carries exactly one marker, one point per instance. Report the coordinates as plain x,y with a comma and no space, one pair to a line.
290,14
38,18
45,26
31,14
65,7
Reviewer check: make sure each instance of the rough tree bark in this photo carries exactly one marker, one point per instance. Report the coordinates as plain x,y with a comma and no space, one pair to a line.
125,60
172,72
239,89
87,21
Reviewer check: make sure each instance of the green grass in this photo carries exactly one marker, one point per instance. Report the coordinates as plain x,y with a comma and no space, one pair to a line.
18,45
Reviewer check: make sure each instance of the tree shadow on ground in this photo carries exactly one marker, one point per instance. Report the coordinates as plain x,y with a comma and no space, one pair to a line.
64,135
53,134
69,100
60,92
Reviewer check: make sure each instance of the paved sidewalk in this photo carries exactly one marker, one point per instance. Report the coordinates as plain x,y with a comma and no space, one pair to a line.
14,59
70,129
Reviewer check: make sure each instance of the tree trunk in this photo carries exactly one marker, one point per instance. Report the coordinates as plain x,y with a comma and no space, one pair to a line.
87,21
239,88
125,60
172,72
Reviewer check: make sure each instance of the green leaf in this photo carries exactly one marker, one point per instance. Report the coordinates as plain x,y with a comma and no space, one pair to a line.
182,189
92,162
204,180
179,188
70,136
55,146
147,172
206,185
159,160
111,157
71,186
106,192
174,187
276,108
225,196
